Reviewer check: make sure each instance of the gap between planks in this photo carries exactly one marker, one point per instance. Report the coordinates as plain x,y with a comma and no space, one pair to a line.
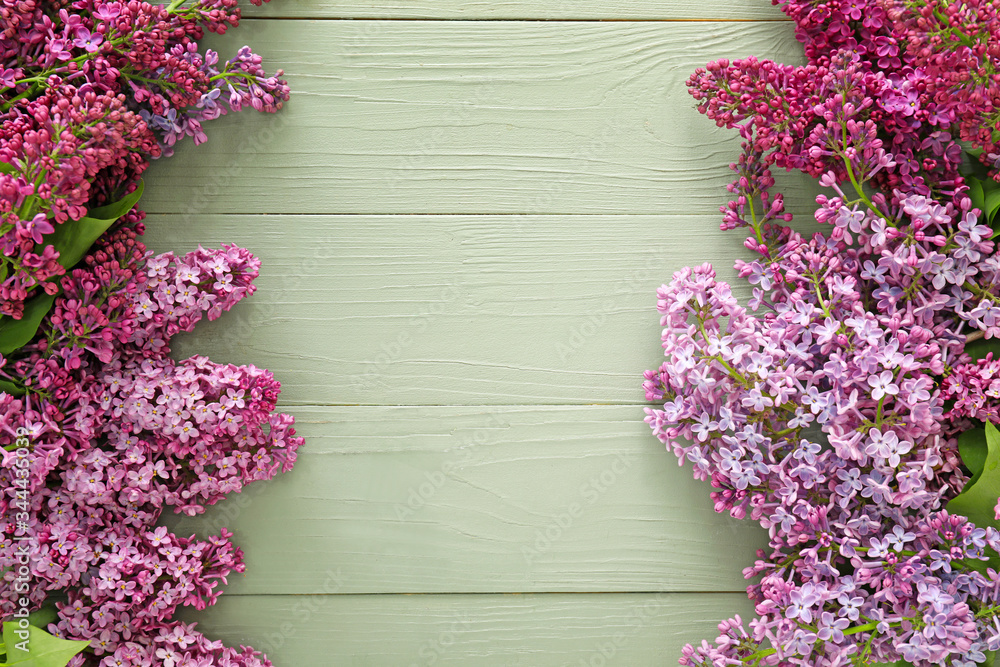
487,406
507,19
503,593
438,215
450,214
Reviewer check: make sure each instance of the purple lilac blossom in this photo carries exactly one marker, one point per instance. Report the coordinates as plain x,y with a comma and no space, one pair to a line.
851,381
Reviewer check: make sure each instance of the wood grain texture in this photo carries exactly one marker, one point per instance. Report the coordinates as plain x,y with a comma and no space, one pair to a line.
656,10
463,222
638,630
480,500
474,117
412,310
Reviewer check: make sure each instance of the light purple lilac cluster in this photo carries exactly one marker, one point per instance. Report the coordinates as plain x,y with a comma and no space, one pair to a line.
828,411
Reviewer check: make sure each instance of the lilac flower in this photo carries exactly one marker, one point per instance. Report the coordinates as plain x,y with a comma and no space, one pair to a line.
935,626
850,606
758,276
36,227
899,537
801,643
730,459
59,50
882,385
831,628
9,77
744,477
801,603
107,11
756,400
84,39
875,487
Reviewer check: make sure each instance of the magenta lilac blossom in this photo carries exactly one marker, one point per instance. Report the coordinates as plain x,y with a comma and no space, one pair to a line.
101,430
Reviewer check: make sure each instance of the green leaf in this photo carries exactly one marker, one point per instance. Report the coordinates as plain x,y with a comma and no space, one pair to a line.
7,168
978,349
972,167
73,238
898,663
43,650
41,617
979,497
976,193
117,209
972,447
17,333
992,204
11,388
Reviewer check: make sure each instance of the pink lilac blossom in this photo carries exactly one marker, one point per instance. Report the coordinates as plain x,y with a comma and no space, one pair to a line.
91,91
120,432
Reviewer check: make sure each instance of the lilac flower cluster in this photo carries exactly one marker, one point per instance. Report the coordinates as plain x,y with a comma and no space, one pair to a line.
137,581
58,145
828,412
973,390
100,429
119,432
907,78
90,91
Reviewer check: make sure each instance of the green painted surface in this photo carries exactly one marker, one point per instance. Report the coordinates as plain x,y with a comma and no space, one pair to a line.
555,630
482,500
648,10
527,117
463,224
407,310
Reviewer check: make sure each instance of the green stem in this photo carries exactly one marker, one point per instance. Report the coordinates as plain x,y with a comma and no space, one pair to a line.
11,102
224,75
756,226
860,628
819,295
990,611
732,371
979,291
854,181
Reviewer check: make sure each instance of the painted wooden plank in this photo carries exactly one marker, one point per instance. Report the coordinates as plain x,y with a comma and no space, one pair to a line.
481,500
412,310
473,117
656,10
638,630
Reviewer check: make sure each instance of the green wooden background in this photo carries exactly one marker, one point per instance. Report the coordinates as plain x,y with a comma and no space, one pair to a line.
463,214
